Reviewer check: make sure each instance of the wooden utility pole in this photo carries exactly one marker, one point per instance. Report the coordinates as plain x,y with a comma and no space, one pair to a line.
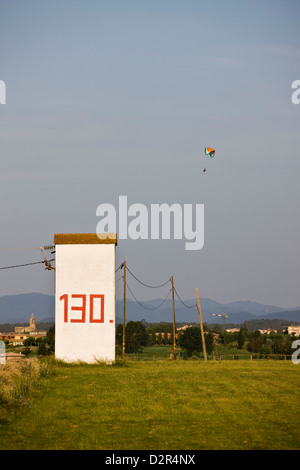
201,326
174,327
124,310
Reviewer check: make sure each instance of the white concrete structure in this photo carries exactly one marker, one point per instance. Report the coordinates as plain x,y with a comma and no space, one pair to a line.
85,297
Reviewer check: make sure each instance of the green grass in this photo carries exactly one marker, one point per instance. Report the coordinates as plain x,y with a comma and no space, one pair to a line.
161,405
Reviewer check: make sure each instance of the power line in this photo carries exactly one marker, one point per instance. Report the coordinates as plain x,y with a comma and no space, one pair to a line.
156,287
148,307
146,285
19,248
187,306
120,267
27,264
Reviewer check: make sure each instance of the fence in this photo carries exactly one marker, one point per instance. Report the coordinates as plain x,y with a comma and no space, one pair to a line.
253,356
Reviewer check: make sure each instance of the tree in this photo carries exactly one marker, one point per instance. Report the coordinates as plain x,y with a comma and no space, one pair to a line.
160,339
26,351
240,340
50,338
209,342
166,339
153,337
119,334
191,340
255,342
135,336
29,341
42,349
171,339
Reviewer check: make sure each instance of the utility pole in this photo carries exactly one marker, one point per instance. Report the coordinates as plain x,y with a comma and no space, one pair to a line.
124,310
201,326
174,327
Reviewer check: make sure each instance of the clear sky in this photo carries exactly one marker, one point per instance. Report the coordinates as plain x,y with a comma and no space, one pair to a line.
110,98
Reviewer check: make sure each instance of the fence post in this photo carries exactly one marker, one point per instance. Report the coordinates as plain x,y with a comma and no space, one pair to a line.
2,352
201,326
124,310
174,323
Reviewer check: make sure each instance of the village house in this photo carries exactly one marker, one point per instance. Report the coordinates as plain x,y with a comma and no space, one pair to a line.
293,330
267,331
17,337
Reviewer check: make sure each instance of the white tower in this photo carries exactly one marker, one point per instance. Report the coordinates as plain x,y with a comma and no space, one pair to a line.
85,297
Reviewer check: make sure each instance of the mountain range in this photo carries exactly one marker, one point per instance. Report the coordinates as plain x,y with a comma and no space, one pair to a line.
18,308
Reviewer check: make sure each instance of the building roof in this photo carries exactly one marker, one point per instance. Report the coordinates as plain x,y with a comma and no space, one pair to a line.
85,238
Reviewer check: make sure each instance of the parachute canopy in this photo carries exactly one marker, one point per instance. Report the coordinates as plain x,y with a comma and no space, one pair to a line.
209,151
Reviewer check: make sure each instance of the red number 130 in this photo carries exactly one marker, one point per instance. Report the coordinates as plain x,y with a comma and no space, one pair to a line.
83,308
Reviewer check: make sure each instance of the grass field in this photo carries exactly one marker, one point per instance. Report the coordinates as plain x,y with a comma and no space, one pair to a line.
160,405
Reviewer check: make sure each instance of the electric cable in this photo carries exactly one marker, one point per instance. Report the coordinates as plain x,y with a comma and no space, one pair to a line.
146,285
26,264
149,307
121,266
187,306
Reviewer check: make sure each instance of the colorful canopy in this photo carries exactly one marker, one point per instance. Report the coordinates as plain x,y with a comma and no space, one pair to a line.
209,151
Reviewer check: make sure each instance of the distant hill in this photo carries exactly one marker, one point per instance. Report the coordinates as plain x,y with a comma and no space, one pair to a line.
18,308
183,314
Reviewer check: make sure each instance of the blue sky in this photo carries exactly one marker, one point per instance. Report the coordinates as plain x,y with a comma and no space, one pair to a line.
120,98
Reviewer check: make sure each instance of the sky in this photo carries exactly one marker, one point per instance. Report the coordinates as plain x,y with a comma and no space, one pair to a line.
105,99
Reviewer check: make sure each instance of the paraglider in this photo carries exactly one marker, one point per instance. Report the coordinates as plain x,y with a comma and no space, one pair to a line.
209,151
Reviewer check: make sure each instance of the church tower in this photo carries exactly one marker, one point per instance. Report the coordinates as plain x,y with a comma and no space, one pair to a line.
32,325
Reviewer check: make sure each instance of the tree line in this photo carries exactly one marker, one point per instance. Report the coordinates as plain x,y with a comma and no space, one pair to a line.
139,334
